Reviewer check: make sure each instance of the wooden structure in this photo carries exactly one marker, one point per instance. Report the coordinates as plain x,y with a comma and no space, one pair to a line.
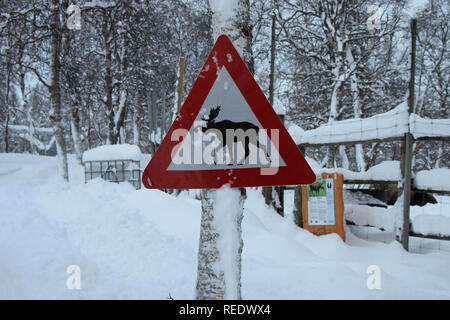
338,227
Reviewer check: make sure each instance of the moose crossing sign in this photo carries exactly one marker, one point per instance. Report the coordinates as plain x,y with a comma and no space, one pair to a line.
226,133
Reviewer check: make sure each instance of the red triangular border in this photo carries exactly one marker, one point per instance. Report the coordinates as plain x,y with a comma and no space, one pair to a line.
296,171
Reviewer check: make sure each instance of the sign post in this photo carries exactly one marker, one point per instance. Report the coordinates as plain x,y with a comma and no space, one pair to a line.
227,135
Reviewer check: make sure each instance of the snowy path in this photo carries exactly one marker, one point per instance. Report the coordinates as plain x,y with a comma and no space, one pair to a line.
143,244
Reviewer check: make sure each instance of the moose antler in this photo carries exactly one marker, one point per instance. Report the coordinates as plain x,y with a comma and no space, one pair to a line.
214,112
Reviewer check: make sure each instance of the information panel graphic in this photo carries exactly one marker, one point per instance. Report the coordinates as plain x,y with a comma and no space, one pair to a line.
321,202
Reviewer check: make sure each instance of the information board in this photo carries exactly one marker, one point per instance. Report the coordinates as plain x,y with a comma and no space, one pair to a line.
321,202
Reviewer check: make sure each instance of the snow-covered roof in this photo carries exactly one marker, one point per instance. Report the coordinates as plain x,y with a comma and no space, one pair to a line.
113,152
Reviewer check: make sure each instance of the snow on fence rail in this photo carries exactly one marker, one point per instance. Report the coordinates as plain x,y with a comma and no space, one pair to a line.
388,126
385,171
423,224
435,179
424,128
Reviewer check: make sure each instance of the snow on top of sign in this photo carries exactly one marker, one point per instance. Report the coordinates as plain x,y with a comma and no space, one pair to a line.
113,152
435,179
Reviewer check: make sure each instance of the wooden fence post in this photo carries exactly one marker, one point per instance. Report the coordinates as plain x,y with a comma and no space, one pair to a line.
407,145
180,84
279,190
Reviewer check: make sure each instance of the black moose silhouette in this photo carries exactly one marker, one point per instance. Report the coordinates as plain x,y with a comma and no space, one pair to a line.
315,188
225,125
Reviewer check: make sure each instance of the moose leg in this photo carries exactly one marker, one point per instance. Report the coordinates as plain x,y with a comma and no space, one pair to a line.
245,144
264,148
216,150
230,153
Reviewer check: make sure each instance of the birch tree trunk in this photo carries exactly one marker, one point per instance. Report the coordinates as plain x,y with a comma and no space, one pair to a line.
163,111
137,125
108,80
75,128
331,15
356,103
151,105
219,261
55,92
220,246
267,191
8,80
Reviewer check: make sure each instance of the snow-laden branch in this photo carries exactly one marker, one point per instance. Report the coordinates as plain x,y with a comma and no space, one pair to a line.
98,4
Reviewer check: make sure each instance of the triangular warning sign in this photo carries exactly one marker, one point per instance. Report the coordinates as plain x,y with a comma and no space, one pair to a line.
226,133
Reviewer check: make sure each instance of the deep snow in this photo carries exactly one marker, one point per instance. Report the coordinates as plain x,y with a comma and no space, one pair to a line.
143,244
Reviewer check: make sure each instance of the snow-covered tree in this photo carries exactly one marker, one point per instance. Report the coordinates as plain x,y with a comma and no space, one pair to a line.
220,248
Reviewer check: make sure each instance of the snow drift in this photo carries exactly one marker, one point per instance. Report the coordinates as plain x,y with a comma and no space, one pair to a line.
143,244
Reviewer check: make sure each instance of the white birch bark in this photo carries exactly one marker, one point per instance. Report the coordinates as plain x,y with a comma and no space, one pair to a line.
220,248
76,141
55,92
344,158
359,152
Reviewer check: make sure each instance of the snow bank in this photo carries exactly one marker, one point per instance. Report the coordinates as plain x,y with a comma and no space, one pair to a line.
435,179
113,152
143,244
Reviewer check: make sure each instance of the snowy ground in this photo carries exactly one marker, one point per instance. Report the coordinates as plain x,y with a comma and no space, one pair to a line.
143,244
